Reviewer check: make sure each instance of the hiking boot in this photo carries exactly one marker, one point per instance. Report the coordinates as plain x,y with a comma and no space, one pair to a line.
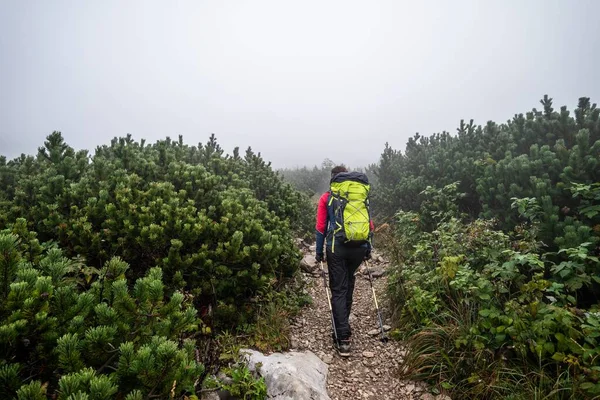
343,348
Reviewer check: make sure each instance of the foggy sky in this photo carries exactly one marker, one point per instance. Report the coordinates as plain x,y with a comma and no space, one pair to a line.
298,81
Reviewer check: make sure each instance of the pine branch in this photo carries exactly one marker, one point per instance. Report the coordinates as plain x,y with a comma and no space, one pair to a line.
110,359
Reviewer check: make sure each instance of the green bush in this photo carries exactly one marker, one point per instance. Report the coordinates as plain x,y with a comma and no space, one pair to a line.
486,314
219,226
147,251
89,335
540,154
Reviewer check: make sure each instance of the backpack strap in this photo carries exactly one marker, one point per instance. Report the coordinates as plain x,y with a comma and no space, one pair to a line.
333,222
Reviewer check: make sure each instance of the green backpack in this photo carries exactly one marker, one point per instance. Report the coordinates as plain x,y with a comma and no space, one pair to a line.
349,196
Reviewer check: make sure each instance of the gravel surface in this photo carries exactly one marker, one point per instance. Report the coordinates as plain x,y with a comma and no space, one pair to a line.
371,371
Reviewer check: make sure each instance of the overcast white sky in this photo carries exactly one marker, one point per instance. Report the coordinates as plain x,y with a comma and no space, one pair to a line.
298,81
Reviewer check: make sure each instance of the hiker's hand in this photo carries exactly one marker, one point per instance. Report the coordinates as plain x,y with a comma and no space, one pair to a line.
319,257
368,255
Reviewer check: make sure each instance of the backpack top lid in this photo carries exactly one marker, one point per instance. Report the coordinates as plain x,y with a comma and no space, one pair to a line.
350,176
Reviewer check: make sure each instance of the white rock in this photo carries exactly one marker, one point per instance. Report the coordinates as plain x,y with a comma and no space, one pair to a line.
292,375
386,328
368,354
374,332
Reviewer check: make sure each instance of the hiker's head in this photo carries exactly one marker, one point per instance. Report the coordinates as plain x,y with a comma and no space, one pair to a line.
336,170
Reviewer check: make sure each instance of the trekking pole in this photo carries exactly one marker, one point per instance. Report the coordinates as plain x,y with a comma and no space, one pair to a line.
383,337
329,302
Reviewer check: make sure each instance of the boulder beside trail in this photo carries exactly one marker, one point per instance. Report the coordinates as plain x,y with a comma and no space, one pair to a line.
292,375
308,263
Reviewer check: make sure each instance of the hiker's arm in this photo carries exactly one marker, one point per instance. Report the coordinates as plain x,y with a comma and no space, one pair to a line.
321,226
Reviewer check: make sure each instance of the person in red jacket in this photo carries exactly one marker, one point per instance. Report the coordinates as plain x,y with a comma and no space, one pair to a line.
342,263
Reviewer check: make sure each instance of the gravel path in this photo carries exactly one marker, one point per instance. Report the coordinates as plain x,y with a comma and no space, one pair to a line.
371,371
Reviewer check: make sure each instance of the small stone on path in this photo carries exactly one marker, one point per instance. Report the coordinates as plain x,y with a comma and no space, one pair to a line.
377,272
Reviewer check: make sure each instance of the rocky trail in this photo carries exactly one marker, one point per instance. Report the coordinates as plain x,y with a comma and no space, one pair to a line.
371,372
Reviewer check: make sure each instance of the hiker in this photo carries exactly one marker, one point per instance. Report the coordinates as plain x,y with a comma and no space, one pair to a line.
344,228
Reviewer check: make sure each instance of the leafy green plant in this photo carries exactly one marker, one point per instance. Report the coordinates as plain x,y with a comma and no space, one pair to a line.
590,195
241,382
244,384
578,269
485,314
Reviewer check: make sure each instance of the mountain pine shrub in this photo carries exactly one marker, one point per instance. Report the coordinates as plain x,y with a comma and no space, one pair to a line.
78,335
541,154
221,227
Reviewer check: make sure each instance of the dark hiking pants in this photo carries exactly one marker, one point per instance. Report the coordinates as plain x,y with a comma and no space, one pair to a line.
342,265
